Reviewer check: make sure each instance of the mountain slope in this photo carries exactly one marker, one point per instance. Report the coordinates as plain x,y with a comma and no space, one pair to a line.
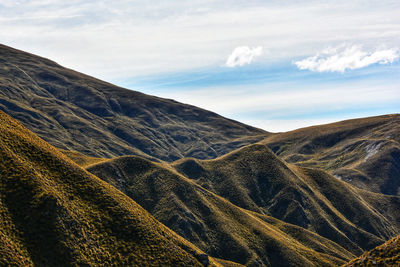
213,224
76,112
364,152
53,213
387,254
255,179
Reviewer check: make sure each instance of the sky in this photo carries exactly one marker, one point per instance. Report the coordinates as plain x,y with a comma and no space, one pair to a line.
277,65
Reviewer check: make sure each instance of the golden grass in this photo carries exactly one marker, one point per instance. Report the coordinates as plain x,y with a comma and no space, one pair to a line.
255,179
77,112
387,254
81,159
53,213
363,152
214,224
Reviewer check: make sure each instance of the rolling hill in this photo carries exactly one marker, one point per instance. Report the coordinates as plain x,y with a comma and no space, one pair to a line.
363,152
135,179
73,111
54,213
254,178
214,224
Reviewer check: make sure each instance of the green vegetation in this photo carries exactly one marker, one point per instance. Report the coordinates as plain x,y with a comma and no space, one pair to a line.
387,254
363,152
53,213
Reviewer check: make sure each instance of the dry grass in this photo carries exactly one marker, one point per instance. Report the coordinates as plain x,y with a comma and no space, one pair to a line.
214,224
81,159
363,152
76,112
255,179
387,254
53,213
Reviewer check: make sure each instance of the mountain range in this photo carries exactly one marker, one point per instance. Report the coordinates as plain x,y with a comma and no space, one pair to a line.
94,174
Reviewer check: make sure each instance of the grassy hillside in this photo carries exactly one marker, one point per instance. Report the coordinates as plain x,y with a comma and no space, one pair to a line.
255,179
364,152
81,159
53,213
214,224
387,254
76,112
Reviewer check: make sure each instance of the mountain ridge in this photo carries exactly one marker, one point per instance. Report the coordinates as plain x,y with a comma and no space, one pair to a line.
53,213
213,223
77,112
364,152
254,178
314,196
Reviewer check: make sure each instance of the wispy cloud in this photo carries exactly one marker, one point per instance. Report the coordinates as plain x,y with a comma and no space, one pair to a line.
151,37
243,55
344,58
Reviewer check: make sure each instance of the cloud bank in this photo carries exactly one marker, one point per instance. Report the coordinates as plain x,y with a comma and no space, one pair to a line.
344,58
243,55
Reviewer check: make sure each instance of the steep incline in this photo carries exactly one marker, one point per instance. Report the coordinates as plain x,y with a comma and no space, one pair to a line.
213,224
76,112
364,152
387,254
53,213
254,178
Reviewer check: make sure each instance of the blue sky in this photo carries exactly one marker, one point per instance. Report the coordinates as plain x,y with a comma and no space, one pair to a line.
278,65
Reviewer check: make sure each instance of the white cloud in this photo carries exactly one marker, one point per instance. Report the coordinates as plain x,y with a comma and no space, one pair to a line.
282,106
119,39
344,58
243,55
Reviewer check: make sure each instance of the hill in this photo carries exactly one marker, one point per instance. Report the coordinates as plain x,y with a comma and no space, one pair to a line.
214,224
73,111
254,178
53,213
387,254
363,152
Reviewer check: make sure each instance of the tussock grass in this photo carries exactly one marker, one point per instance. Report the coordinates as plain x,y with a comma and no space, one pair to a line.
254,178
214,224
387,254
53,213
363,152
76,112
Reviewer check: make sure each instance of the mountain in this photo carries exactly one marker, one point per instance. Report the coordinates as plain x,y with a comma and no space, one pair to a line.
387,254
254,178
171,184
363,152
73,111
54,213
214,224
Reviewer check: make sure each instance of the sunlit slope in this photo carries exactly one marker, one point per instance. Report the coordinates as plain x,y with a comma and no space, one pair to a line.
364,152
53,213
214,224
254,178
81,159
76,112
387,254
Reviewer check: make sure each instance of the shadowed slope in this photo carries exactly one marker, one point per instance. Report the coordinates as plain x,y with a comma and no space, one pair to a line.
387,254
364,152
53,213
215,225
76,112
254,178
